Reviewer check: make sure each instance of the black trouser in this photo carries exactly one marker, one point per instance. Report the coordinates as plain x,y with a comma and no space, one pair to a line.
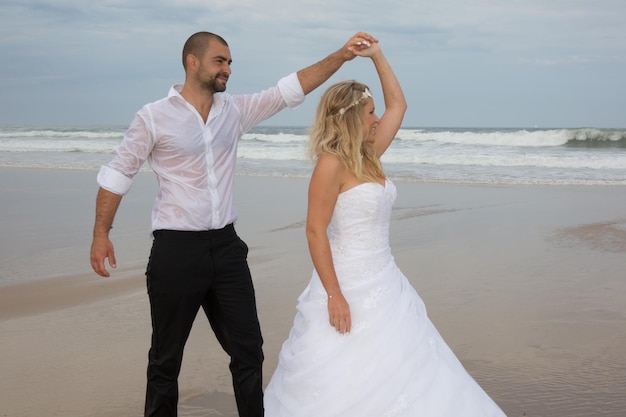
188,270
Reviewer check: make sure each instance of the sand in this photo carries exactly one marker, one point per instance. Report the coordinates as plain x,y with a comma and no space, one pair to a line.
526,284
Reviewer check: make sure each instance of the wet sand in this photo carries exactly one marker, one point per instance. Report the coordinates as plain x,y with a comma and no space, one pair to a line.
525,283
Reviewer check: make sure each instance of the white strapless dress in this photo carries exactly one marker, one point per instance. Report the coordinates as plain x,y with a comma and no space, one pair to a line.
394,362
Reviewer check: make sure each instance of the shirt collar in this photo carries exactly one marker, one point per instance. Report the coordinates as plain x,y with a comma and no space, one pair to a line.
218,99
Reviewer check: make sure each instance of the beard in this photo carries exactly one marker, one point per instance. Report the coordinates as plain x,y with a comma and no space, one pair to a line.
213,84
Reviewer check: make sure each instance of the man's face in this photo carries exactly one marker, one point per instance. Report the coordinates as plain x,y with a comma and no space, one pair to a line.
214,68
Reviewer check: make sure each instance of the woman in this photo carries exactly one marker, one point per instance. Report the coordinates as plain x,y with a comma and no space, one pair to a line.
362,343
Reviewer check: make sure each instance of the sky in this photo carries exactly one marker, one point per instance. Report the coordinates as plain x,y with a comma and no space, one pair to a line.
462,63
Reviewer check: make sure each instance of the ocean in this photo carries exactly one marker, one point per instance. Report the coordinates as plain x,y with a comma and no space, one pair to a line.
582,156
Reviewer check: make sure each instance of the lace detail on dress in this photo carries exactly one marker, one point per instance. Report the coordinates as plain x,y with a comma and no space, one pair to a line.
398,407
374,296
360,326
433,346
359,232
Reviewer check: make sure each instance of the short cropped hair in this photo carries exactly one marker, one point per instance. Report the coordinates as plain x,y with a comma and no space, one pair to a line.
198,43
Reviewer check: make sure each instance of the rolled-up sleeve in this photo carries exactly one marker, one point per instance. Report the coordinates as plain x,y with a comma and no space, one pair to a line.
114,181
117,176
291,90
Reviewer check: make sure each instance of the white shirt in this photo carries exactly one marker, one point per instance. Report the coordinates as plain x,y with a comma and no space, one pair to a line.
194,161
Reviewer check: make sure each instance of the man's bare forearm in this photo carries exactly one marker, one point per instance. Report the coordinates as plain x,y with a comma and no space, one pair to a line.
107,204
315,75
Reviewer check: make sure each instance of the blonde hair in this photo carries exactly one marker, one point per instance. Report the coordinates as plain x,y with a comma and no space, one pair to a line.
338,130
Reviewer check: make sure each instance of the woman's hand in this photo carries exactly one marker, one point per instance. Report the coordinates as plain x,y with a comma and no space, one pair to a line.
339,313
364,45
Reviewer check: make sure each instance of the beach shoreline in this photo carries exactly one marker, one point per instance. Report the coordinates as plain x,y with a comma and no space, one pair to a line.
525,283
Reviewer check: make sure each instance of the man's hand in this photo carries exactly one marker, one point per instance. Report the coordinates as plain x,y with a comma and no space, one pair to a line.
357,44
102,248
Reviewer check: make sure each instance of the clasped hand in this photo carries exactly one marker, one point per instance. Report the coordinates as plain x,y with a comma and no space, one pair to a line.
363,44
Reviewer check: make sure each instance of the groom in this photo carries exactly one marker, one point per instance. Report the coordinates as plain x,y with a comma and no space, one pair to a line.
197,259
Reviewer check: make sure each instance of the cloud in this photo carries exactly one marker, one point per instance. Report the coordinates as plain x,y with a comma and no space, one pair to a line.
76,62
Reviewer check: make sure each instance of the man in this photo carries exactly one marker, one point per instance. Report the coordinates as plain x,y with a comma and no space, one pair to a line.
197,260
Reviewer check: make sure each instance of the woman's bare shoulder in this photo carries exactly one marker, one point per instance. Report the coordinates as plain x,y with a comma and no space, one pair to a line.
329,162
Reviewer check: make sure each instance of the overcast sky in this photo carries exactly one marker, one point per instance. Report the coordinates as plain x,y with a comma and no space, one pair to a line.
462,63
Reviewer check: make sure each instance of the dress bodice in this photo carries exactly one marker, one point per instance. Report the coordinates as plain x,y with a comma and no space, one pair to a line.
359,228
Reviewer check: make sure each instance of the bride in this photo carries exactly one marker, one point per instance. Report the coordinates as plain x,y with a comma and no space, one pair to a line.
361,342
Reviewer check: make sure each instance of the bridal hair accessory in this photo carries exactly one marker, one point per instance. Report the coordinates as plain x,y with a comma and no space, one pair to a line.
364,96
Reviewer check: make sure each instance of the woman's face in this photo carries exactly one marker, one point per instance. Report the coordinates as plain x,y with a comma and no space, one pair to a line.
370,121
